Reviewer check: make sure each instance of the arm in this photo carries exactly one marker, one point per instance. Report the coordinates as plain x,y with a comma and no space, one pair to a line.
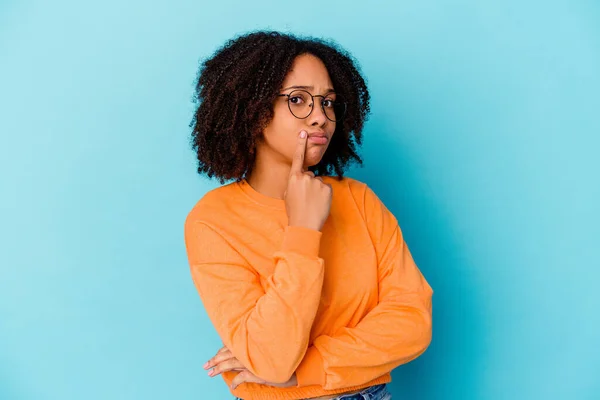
266,329
394,332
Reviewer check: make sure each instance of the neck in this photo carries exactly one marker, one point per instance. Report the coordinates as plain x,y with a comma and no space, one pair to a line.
269,177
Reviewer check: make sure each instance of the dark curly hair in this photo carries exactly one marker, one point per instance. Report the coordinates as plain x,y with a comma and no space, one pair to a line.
235,91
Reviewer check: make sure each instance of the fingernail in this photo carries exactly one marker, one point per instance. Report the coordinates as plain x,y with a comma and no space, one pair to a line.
303,134
206,365
211,372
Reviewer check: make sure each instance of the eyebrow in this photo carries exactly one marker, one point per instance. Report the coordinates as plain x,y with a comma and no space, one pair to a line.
329,90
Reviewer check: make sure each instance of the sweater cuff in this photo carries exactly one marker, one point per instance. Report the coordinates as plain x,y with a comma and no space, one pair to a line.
311,370
301,240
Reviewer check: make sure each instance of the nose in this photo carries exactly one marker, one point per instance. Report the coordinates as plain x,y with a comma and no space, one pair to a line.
317,116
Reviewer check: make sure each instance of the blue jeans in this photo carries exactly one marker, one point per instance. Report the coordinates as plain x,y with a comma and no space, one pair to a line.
377,392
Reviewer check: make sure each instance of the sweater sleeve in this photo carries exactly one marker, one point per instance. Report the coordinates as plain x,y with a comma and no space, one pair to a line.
265,328
394,332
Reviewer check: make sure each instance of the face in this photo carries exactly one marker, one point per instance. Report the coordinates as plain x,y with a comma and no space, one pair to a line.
281,135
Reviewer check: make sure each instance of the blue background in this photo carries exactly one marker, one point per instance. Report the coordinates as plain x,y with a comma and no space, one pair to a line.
483,141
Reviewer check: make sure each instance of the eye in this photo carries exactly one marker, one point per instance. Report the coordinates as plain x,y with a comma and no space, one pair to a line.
328,103
296,99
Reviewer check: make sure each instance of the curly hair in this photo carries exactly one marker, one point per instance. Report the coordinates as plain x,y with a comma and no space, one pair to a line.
235,91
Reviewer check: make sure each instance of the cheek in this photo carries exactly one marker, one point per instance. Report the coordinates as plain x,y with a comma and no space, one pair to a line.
331,127
282,132
283,120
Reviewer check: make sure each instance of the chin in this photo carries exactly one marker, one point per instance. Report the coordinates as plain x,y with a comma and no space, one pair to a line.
313,159
313,164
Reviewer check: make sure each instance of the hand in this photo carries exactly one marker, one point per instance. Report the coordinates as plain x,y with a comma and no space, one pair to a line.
307,199
224,360
247,376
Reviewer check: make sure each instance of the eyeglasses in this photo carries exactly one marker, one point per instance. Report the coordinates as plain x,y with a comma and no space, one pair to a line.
300,103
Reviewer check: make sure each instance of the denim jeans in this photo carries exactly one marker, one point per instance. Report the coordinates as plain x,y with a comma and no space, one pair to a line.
377,392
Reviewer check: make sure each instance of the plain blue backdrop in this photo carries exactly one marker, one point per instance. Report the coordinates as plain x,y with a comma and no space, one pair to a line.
483,140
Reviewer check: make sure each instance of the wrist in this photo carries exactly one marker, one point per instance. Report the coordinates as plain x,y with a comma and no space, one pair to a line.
307,225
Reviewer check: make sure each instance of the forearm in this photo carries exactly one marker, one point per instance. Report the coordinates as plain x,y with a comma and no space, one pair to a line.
391,335
266,326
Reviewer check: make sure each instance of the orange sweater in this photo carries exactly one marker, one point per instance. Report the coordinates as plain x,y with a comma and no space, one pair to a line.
341,307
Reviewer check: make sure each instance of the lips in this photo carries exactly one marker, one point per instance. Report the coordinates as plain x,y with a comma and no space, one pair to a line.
318,137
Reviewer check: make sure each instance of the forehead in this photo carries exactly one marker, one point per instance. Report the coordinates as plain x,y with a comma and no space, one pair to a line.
308,70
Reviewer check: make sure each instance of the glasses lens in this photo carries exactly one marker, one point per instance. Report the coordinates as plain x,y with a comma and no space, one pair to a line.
335,107
300,103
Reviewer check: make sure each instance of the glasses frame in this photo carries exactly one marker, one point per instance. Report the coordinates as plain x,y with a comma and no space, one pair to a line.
313,103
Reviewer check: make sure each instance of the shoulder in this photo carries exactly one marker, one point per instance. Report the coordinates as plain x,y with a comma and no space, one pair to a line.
346,183
212,204
361,195
360,192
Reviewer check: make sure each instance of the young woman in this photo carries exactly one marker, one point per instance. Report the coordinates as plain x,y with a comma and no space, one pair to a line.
305,275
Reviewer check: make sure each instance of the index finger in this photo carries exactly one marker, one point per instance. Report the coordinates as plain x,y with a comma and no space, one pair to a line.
222,355
298,160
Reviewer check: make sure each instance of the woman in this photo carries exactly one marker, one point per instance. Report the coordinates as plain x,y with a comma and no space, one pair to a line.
305,276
